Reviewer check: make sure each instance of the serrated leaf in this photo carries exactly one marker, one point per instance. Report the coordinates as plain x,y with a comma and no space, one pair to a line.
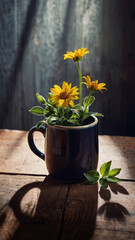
37,110
39,124
114,172
40,98
92,176
104,169
103,183
112,179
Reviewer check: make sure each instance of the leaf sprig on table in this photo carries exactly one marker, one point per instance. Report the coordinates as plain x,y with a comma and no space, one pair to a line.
106,176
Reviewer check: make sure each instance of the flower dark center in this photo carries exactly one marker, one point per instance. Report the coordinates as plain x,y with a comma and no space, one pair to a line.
63,95
77,59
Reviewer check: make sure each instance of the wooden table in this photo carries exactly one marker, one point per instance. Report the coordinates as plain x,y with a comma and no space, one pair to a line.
34,206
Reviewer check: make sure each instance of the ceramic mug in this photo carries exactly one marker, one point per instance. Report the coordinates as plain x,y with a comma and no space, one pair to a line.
69,151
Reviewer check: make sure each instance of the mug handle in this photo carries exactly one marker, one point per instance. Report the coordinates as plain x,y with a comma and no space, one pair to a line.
31,143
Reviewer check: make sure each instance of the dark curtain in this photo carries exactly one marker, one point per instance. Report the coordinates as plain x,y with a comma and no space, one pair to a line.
34,35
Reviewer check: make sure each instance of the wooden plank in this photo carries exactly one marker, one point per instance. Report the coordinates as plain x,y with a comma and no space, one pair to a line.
16,156
121,150
38,208
116,208
33,207
80,212
117,235
9,185
92,213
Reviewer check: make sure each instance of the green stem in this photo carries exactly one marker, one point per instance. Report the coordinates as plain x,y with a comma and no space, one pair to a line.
62,115
80,79
86,106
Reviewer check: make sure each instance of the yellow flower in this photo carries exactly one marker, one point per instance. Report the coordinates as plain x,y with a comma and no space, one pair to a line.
94,85
77,54
63,96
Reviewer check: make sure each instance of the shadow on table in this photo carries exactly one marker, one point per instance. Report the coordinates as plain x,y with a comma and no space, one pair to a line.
50,210
112,210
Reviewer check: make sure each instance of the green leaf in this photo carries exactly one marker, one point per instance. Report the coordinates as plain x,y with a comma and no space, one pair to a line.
51,120
98,114
39,124
50,110
79,109
40,98
37,110
112,179
114,172
51,107
74,115
47,112
59,121
72,122
67,112
60,111
92,176
87,115
104,169
103,182
88,101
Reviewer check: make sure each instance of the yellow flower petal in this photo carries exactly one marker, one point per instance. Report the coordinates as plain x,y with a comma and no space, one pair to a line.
76,98
53,90
65,86
67,56
88,81
71,103
57,87
63,96
77,54
94,85
65,103
59,102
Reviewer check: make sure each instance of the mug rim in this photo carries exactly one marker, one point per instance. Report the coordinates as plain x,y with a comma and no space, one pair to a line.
75,127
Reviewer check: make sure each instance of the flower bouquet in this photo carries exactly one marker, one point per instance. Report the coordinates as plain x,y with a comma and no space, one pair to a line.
60,109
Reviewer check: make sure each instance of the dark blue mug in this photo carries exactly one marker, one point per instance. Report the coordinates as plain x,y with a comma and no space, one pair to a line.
69,151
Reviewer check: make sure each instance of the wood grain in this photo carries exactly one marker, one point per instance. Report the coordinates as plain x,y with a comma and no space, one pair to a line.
34,209
80,212
91,214
38,208
121,151
35,206
16,157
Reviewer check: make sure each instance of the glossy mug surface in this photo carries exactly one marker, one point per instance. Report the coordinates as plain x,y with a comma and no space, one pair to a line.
69,151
